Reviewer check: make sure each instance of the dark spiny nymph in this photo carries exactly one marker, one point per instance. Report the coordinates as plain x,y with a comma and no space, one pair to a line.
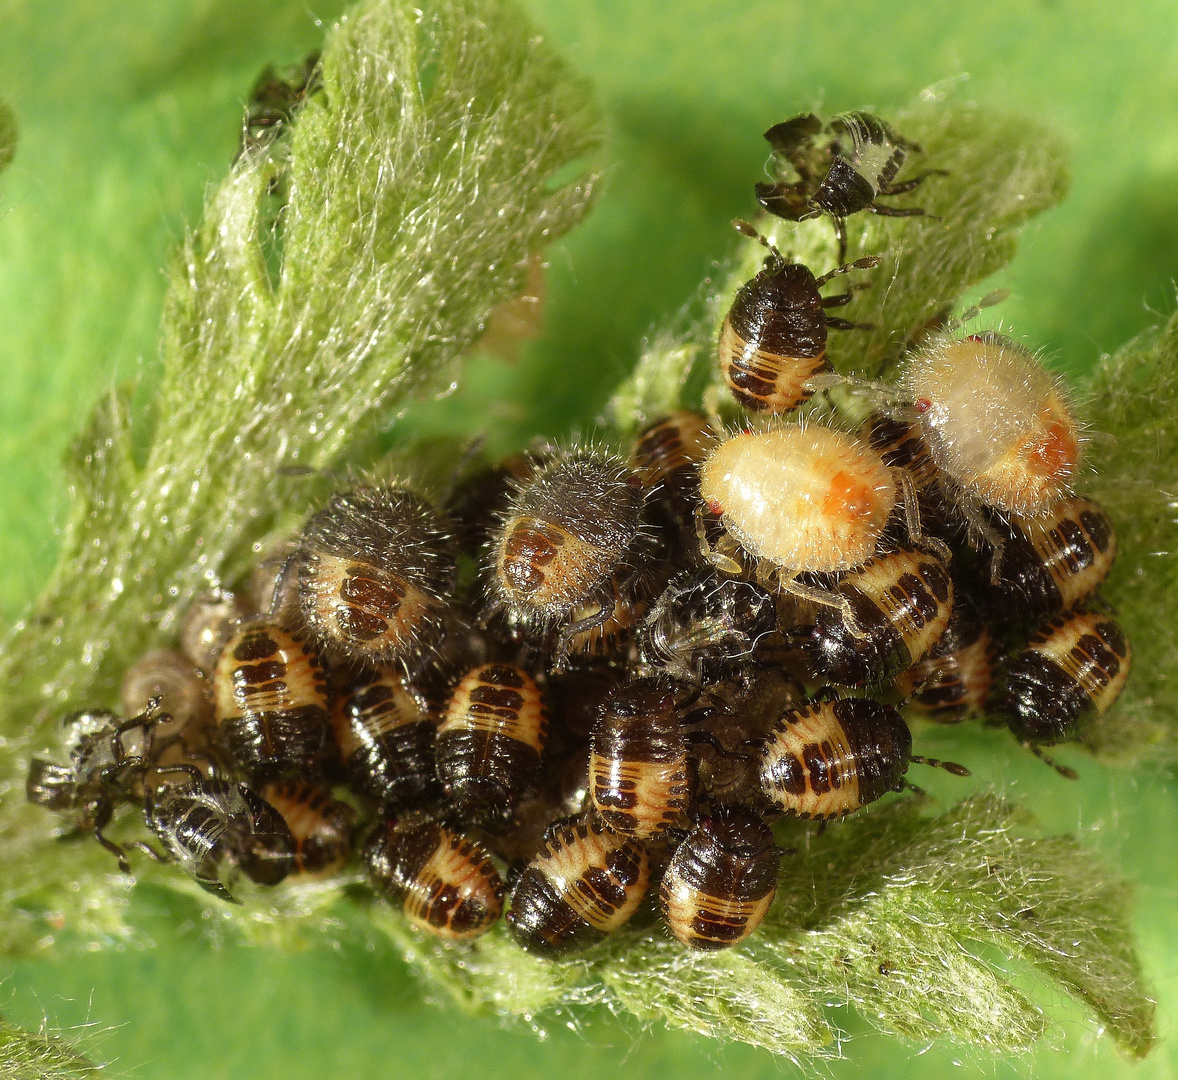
375,569
569,540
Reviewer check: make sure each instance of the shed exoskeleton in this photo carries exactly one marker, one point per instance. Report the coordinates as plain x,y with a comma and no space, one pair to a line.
840,168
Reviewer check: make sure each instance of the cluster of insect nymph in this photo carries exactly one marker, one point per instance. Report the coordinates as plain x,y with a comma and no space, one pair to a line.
592,678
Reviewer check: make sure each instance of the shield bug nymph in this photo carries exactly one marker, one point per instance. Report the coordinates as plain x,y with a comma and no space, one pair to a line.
773,341
571,538
445,882
831,758
721,880
1070,672
376,568
998,425
797,499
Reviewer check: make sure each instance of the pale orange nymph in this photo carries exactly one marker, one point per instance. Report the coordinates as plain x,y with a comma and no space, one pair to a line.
804,498
996,422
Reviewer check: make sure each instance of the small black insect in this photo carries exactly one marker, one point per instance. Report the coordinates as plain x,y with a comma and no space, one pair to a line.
842,168
574,699
213,827
563,793
274,99
721,880
109,758
773,341
1070,672
742,711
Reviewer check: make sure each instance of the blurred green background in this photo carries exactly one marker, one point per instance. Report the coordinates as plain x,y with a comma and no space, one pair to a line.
130,108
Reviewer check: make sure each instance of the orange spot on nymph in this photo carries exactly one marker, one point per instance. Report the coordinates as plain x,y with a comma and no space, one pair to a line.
849,497
714,507
923,405
1057,453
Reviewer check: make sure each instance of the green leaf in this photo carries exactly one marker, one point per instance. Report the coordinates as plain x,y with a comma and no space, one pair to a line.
926,926
889,912
411,206
1133,453
7,135
41,1056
